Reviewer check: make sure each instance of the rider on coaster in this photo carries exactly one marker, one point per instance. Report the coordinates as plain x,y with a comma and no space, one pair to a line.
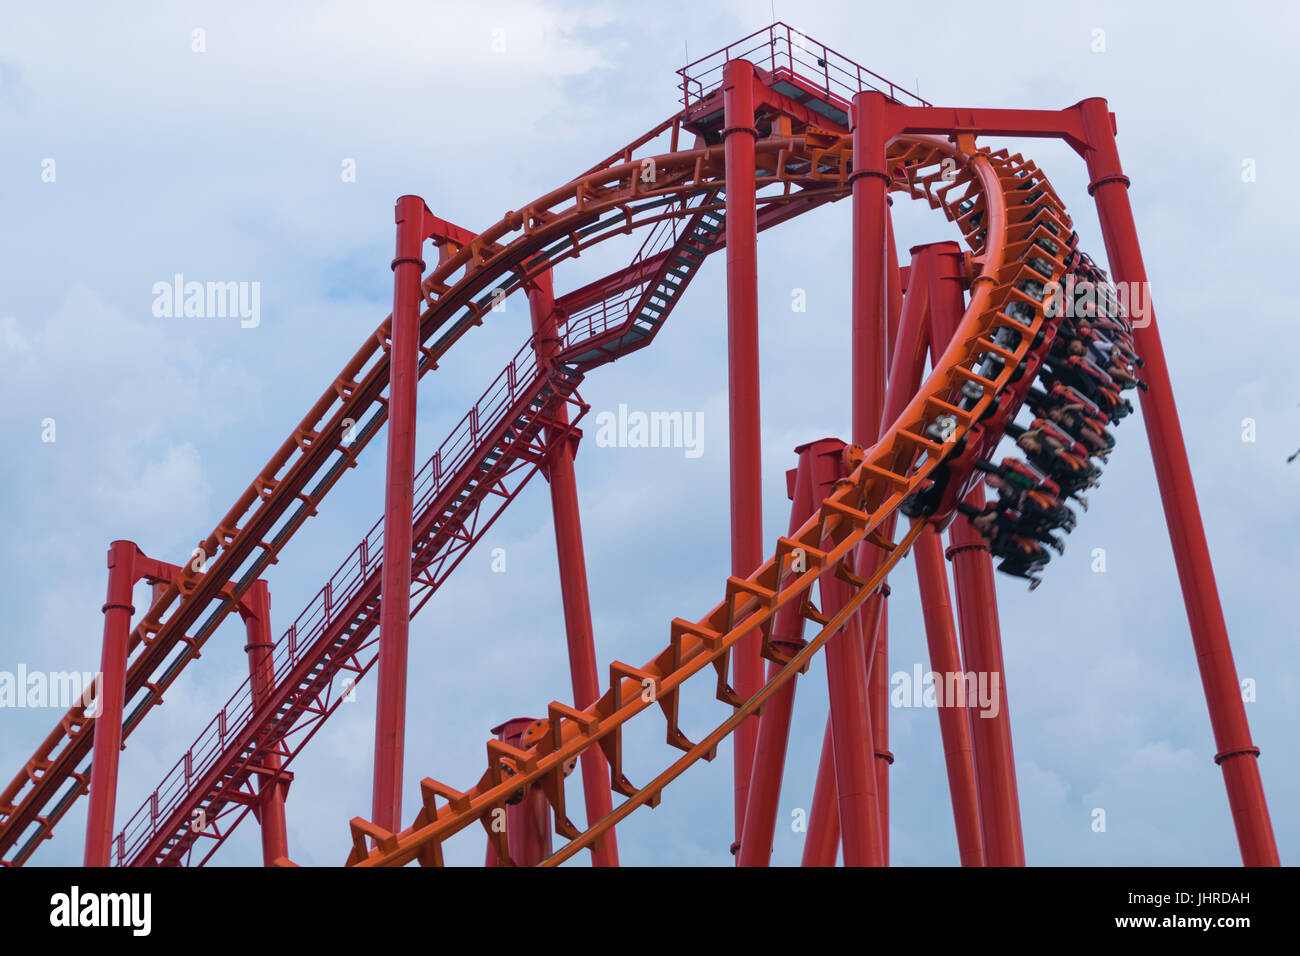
1054,457
1022,489
1021,557
1076,415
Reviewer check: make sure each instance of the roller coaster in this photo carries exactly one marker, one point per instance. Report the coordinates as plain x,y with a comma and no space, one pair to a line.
769,128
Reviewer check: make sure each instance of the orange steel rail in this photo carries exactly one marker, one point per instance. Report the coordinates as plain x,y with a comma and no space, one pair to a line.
853,515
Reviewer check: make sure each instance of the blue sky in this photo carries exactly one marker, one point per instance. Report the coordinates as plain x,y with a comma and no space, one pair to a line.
225,165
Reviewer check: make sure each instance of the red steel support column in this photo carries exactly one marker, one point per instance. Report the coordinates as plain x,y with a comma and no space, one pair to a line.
573,574
981,641
872,284
878,668
823,840
878,701
894,288
1237,754
954,722
850,717
110,699
977,610
255,608
851,741
907,363
395,606
739,137
774,726
528,823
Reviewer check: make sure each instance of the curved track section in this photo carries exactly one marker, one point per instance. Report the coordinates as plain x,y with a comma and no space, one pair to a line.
1000,203
608,201
1003,206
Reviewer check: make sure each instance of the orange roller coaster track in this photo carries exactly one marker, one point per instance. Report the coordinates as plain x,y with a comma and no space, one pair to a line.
771,127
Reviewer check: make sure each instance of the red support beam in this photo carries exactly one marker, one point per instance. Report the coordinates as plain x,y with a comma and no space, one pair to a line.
414,222
945,121
893,287
739,137
255,608
870,276
1237,754
822,843
981,641
774,726
528,822
872,283
935,280
850,716
954,721
878,666
573,570
110,700
878,701
907,363
977,608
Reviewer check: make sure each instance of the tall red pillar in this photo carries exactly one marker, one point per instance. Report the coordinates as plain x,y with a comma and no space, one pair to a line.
850,716
739,137
981,642
872,286
395,608
528,823
1237,754
822,843
977,612
110,700
909,337
573,572
774,726
255,608
878,666
954,722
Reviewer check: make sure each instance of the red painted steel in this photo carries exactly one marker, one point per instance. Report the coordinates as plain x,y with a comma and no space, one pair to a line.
954,721
739,136
109,698
878,667
561,446
850,717
1237,754
271,786
399,489
822,845
527,822
872,238
774,727
981,638
772,110
999,799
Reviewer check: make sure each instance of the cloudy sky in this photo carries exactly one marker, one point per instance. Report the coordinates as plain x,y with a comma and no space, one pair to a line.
226,165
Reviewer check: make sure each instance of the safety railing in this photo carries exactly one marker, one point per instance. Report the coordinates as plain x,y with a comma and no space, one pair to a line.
781,48
457,450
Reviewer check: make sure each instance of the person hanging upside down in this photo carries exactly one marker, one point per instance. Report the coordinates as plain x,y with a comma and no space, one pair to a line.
1023,490
1046,452
1021,557
1073,416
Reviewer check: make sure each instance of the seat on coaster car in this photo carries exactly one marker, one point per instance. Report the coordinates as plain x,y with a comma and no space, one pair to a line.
1065,395
1054,431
